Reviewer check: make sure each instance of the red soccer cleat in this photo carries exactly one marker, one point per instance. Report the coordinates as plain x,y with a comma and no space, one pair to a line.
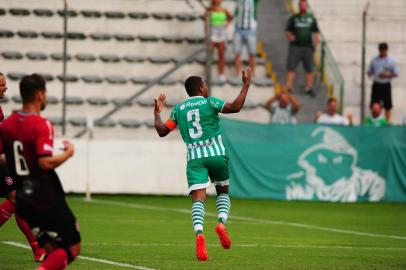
39,253
222,233
201,251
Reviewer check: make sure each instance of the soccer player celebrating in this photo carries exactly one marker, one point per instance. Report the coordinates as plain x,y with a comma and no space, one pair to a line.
7,189
198,122
27,141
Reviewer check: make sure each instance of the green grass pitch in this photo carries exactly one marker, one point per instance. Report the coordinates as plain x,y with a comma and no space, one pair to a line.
156,233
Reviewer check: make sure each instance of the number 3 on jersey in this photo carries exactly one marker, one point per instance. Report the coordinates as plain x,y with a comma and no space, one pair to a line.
20,162
196,131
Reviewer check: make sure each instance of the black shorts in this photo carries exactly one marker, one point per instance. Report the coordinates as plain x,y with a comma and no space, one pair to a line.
382,93
299,54
57,225
7,184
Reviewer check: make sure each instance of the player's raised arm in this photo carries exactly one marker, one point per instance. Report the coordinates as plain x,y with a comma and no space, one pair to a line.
161,128
48,163
238,103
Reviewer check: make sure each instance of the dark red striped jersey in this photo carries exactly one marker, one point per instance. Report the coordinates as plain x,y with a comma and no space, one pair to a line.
24,138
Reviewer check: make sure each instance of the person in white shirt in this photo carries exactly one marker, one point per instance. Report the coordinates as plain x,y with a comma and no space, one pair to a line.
331,117
283,108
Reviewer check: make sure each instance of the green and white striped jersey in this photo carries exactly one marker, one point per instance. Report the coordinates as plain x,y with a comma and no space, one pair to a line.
198,122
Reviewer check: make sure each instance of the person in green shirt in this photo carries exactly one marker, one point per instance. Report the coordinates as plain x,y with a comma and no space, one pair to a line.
376,118
303,34
198,122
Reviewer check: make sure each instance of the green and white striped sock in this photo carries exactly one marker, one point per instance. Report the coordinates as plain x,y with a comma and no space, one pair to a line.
198,216
223,205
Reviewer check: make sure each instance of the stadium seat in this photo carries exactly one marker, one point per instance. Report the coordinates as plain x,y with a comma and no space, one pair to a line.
69,78
52,100
4,100
85,57
172,102
149,123
51,35
124,37
97,101
69,13
36,56
6,34
186,17
172,38
27,34
121,101
78,121
162,16
43,12
47,77
74,100
76,36
168,81
114,15
134,58
2,12
249,104
179,58
140,80
130,123
92,79
116,79
17,99
101,36
110,58
194,40
138,15
217,82
12,55
15,76
55,120
59,56
105,123
200,58
146,102
236,81
19,12
160,59
91,13
262,82
148,38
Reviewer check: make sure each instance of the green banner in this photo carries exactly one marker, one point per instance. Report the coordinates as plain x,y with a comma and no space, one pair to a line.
316,162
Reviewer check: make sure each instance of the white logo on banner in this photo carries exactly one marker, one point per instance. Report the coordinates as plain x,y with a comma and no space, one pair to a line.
330,173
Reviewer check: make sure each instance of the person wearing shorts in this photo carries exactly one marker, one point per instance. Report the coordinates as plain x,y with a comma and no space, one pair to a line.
303,34
383,69
245,32
197,119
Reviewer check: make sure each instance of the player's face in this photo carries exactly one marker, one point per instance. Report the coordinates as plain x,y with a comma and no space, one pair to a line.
3,86
204,89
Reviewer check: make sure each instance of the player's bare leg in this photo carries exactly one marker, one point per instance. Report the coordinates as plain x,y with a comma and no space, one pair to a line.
290,77
223,209
199,197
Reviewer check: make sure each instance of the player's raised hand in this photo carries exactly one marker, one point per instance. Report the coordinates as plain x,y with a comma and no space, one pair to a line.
68,148
246,76
159,103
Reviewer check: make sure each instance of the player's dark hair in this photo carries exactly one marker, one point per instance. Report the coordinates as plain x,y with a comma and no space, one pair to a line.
331,100
29,85
193,84
383,46
1,74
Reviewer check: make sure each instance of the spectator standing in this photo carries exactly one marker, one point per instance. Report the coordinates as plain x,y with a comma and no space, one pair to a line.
376,118
245,32
303,34
382,70
283,108
331,117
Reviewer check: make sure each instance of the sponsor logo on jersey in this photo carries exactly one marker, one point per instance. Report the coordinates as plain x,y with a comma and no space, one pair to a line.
201,145
192,104
48,147
9,181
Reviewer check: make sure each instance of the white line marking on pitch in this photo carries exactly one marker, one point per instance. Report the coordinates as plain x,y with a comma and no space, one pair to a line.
263,221
243,246
126,265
